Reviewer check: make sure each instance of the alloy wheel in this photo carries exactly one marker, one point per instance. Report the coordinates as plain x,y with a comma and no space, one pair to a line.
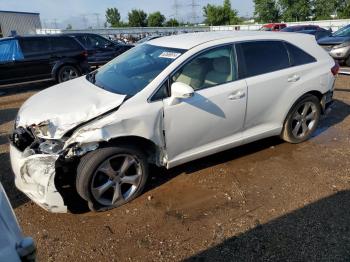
304,120
116,180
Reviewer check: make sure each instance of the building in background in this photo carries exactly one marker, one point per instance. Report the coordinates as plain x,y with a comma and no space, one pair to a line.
22,23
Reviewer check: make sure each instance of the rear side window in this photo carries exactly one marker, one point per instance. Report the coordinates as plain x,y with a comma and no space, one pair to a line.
263,57
35,45
299,57
64,44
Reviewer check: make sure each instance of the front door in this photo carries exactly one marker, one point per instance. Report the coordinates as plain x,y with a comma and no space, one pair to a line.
214,115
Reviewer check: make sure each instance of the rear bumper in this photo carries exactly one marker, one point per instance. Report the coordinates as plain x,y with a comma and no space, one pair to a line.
327,102
35,177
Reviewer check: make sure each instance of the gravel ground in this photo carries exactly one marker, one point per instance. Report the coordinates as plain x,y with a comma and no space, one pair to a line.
265,201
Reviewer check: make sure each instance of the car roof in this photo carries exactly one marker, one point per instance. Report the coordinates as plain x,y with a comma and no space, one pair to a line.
191,40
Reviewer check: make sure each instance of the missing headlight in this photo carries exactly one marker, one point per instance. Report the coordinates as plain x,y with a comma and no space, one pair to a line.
51,147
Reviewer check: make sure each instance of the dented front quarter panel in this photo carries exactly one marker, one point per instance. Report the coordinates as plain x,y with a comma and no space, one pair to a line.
35,176
132,119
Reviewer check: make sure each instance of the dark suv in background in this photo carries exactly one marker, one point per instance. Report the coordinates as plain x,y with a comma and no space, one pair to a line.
32,58
99,49
315,30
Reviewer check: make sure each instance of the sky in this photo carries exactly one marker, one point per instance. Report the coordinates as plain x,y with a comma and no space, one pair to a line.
60,13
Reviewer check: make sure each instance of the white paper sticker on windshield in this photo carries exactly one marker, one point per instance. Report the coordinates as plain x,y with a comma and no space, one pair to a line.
170,55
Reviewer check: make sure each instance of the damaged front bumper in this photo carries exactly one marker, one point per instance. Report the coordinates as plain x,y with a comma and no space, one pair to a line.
35,176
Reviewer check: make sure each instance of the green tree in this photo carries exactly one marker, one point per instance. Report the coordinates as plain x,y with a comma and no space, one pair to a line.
69,27
172,22
295,10
220,15
266,11
137,18
155,19
323,9
113,17
343,9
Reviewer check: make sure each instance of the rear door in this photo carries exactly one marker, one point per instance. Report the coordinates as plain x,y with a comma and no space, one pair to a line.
37,58
276,72
267,71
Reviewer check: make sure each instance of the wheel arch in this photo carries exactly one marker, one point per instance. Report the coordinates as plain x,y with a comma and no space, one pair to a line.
152,151
315,93
60,64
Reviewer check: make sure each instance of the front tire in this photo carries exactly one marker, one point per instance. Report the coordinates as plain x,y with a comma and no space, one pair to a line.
110,177
302,120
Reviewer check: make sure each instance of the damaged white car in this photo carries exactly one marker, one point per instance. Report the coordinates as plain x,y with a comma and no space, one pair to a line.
166,102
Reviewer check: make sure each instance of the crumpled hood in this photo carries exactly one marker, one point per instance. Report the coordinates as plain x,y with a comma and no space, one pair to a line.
62,107
333,40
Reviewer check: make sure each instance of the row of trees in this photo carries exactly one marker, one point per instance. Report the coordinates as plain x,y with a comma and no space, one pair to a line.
214,15
300,10
265,11
138,18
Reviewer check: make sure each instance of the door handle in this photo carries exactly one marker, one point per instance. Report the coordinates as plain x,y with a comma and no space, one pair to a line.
294,78
239,94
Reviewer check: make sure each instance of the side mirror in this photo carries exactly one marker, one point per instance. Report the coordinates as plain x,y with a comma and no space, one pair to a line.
180,91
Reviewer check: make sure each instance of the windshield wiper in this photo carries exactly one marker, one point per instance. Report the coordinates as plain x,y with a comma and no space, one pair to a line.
91,77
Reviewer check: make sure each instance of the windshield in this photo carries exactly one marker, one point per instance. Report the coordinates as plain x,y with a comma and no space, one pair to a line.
131,72
345,31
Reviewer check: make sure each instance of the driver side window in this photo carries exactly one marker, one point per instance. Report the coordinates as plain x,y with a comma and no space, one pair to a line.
211,68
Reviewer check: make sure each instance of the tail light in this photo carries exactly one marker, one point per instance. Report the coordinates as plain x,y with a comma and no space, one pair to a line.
85,53
335,69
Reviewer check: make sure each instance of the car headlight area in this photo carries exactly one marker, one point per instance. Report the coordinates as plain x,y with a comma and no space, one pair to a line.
35,175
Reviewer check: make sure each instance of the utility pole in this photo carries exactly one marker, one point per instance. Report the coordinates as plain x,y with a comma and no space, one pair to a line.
55,22
84,19
97,20
194,7
176,7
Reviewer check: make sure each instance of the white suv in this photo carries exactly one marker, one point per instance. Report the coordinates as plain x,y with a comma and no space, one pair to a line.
167,102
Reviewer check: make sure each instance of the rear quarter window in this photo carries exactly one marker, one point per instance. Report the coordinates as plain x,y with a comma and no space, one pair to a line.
263,57
64,44
299,57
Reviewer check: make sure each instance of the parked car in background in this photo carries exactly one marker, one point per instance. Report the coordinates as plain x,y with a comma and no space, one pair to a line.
32,58
13,246
315,30
167,102
273,27
338,45
99,49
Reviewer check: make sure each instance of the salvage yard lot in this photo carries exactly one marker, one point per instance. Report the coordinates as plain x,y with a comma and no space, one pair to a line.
268,200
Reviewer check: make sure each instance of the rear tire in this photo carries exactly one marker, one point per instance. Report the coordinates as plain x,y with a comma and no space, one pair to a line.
110,177
67,72
347,61
302,120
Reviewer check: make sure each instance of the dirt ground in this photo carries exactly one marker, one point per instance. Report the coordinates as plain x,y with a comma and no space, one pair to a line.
266,201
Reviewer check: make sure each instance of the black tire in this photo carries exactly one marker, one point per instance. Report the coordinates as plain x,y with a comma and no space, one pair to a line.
63,74
293,123
89,171
347,61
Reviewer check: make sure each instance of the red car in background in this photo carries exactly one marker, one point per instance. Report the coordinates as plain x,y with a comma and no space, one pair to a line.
273,27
